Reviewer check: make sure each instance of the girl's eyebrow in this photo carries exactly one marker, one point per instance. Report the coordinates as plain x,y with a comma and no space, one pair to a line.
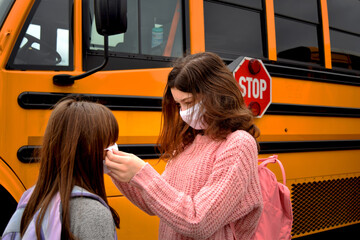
183,99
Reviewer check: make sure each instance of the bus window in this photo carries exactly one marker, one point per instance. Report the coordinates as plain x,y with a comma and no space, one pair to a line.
345,33
5,6
247,3
297,29
45,41
236,30
154,28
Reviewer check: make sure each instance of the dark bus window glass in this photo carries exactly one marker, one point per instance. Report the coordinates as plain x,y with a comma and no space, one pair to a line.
345,50
5,6
154,28
344,15
248,3
306,10
296,40
297,29
161,27
46,42
233,31
344,19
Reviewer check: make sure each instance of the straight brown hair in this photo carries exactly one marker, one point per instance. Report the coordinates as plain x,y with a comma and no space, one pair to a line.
208,79
72,154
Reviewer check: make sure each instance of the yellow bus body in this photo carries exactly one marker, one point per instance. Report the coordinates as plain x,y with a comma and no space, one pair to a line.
25,127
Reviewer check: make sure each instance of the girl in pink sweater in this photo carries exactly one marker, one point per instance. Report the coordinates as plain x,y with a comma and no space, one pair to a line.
209,142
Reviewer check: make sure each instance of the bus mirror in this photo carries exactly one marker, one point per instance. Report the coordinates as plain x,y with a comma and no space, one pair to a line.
110,16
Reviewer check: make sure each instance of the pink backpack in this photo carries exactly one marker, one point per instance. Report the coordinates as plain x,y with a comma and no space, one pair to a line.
277,218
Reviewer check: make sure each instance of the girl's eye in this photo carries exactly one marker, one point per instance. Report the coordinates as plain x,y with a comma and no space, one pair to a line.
189,104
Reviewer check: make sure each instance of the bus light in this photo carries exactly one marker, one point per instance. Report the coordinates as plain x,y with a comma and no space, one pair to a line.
254,66
255,108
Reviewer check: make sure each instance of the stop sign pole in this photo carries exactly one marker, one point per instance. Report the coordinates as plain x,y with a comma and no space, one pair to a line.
254,82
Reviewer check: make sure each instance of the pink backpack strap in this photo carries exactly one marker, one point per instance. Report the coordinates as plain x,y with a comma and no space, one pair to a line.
273,159
232,226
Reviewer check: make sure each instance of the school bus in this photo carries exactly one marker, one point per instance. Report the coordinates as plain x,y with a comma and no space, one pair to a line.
310,48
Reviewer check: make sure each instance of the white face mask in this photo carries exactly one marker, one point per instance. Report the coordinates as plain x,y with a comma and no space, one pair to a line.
115,146
193,117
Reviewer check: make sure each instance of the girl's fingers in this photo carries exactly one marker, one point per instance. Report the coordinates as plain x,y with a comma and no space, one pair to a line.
110,164
120,153
116,158
118,171
113,167
112,175
123,166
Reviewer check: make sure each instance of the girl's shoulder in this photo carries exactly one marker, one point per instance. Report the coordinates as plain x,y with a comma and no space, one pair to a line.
237,142
90,219
238,146
240,136
89,206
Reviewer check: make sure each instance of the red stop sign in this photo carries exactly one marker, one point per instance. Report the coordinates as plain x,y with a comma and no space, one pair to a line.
255,84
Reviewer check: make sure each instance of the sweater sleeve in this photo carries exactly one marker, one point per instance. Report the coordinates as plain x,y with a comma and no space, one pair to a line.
213,206
133,194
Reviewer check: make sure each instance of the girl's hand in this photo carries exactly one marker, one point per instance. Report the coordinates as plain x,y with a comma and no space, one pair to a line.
123,166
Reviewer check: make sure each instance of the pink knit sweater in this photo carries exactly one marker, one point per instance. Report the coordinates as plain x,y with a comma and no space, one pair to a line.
209,185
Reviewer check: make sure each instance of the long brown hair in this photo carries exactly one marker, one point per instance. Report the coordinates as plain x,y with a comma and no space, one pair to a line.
72,154
208,79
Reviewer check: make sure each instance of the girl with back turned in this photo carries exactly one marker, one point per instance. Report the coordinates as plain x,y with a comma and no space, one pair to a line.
71,178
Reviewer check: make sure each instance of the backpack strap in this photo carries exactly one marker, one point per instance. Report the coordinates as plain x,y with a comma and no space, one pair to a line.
232,226
13,227
25,197
273,159
81,192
